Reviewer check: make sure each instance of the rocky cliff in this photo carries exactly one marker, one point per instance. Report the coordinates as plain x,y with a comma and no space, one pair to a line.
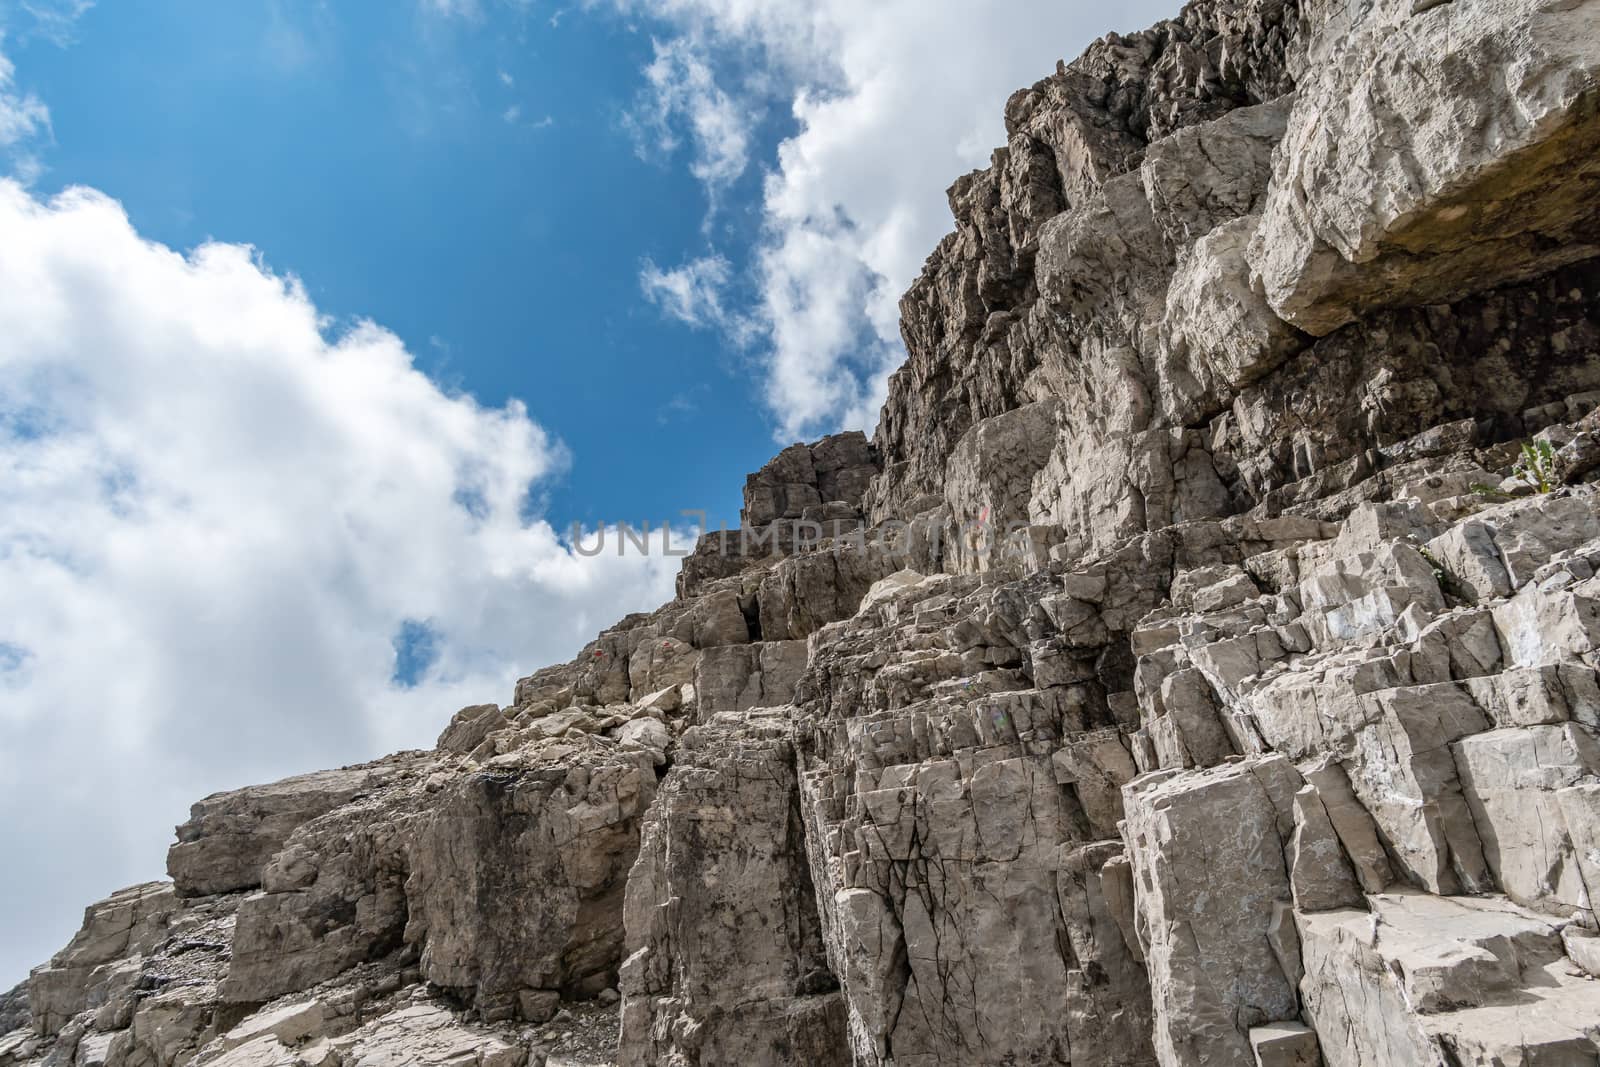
1199,668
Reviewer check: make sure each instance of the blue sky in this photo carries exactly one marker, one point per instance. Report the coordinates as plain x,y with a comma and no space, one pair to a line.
470,184
321,322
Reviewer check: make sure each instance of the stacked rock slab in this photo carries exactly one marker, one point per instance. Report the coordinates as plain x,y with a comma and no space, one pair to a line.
728,963
1197,669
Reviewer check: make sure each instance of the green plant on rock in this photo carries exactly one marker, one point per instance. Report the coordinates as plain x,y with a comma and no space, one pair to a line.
1537,466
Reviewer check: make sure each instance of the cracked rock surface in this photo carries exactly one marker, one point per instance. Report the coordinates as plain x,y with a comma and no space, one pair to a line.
1197,668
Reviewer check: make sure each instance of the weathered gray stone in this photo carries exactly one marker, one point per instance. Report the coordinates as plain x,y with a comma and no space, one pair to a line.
1540,696
469,727
1319,873
1511,779
1356,217
738,678
1207,850
1497,551
1285,1045
124,926
834,469
288,1025
1204,176
1219,331
989,480
230,836
516,879
1096,767
725,959
427,1036
1439,980
1357,830
1204,464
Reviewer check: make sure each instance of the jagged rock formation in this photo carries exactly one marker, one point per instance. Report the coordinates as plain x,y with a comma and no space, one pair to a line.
1198,669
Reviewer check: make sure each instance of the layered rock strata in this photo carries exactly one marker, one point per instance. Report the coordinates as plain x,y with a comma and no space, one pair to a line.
1198,668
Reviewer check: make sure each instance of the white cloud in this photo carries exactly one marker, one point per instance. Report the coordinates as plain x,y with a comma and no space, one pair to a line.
215,519
23,119
56,20
513,116
691,293
895,99
682,94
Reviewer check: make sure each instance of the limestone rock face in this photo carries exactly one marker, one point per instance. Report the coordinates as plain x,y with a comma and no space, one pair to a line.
1418,979
978,343
1431,154
959,820
230,837
332,898
516,878
116,934
1208,855
728,968
1198,667
425,1035
802,479
14,1009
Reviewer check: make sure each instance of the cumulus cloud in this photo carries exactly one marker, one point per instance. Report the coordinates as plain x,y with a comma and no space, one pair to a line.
22,115
682,95
236,542
691,293
893,100
23,119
